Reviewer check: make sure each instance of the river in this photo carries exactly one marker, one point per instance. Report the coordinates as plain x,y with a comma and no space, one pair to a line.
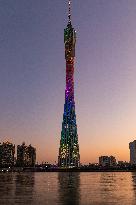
68,188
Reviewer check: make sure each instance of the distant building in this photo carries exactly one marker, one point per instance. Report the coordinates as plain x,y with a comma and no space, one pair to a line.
113,161
7,151
123,164
132,147
26,155
106,161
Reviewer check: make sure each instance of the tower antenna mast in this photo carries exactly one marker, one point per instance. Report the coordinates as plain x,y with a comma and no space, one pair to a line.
69,11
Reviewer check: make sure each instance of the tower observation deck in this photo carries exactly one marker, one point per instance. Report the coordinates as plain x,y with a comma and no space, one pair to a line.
69,148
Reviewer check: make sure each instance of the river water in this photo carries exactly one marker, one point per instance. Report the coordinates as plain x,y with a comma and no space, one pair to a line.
85,188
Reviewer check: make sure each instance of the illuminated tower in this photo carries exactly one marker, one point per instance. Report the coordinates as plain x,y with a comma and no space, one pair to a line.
69,148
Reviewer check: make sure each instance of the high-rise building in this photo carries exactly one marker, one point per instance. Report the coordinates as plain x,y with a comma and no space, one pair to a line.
132,147
26,155
106,161
7,151
69,147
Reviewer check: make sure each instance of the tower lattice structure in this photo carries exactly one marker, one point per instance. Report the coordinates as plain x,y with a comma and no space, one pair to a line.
69,147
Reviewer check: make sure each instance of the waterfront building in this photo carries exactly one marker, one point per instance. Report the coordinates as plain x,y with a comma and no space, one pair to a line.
69,148
7,151
132,147
123,164
106,161
26,155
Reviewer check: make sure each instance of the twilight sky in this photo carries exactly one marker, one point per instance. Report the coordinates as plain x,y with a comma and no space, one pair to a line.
32,75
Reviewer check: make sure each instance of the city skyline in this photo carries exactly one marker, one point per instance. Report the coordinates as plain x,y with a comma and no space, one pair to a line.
32,78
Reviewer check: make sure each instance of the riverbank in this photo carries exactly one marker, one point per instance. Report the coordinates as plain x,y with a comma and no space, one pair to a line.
40,169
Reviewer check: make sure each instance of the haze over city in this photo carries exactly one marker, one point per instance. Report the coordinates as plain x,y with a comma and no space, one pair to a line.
32,75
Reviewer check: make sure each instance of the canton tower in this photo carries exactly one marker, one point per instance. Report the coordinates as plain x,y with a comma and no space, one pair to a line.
69,148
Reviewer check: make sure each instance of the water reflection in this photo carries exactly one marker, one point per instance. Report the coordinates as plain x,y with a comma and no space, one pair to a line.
108,182
133,175
6,188
108,187
69,188
134,181
24,188
116,188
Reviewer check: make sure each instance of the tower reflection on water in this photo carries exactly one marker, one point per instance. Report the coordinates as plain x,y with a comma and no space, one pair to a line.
69,188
